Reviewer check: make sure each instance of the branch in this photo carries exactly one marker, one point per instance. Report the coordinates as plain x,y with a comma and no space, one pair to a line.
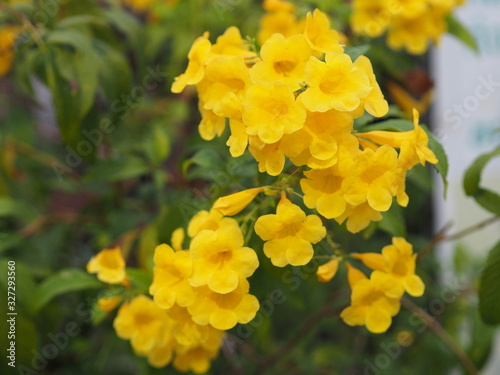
441,236
442,334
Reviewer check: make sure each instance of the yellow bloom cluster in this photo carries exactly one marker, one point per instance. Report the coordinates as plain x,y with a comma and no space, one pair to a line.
375,300
410,24
197,294
298,99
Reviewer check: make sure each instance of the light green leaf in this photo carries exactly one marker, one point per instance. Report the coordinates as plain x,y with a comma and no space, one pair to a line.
489,291
394,125
488,199
65,281
458,30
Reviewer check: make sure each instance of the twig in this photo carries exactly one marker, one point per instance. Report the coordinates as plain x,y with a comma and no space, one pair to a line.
442,334
442,237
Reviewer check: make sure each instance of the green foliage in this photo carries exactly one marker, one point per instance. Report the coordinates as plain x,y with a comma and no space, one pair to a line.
459,31
486,198
489,293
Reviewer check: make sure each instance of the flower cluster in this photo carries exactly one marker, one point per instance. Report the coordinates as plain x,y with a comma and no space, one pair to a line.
409,24
375,300
297,99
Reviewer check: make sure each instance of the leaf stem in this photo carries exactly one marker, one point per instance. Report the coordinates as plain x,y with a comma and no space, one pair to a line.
442,334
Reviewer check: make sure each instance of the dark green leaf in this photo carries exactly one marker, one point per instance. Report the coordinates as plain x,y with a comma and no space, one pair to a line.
68,280
489,291
459,31
140,279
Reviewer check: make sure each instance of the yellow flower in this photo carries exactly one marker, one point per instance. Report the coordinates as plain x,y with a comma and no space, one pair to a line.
413,144
204,220
232,204
238,140
278,6
270,157
185,331
289,234
224,311
323,187
406,101
108,304
170,281
161,355
283,59
354,275
211,125
334,84
398,273
232,44
177,239
219,258
109,266
372,179
270,110
322,135
143,323
8,36
370,306
374,102
223,76
319,35
415,33
327,271
281,22
358,217
370,17
198,56
197,358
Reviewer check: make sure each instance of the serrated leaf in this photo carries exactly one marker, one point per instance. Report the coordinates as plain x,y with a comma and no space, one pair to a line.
68,280
442,164
117,169
489,291
458,30
488,199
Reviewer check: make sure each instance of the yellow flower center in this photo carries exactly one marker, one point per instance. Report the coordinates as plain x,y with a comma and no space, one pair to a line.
373,297
143,318
284,67
221,257
400,268
329,85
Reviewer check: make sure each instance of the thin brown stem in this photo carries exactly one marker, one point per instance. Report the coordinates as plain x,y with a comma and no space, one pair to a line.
441,236
434,325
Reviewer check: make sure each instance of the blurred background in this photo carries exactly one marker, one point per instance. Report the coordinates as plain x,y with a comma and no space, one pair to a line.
95,151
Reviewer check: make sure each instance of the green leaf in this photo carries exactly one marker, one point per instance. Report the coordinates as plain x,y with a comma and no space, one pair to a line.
488,199
489,291
458,30
81,20
442,164
65,101
394,125
68,280
356,51
393,222
117,169
140,279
